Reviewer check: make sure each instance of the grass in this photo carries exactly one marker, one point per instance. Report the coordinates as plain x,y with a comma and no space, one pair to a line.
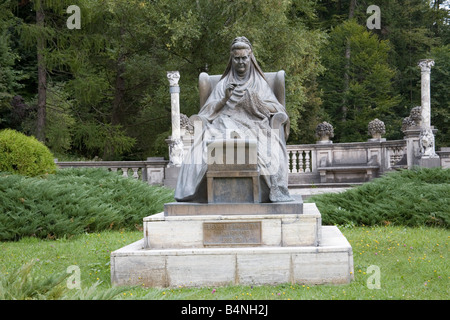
412,261
75,218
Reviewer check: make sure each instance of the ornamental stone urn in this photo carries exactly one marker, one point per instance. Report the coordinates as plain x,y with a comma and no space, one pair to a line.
324,131
376,129
414,120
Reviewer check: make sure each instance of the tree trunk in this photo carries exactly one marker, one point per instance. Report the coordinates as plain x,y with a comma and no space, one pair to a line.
344,109
42,75
119,96
119,93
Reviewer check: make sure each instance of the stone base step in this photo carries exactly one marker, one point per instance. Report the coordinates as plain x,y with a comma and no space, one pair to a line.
291,224
329,263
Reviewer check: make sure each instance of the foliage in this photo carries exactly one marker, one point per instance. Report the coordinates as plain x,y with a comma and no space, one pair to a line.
414,29
110,75
412,261
98,138
24,284
440,93
358,89
21,285
408,197
60,119
114,67
73,201
10,77
24,155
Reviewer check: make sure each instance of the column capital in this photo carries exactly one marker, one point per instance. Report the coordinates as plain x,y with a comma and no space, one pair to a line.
173,77
425,65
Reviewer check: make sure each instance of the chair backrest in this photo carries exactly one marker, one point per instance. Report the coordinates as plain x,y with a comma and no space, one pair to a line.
276,81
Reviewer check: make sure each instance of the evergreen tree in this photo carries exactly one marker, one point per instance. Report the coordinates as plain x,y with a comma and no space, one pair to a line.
102,90
46,28
367,88
125,84
412,27
440,94
9,77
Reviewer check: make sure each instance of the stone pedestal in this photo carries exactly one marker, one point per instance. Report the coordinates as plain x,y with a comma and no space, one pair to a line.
224,225
415,155
432,162
234,249
329,263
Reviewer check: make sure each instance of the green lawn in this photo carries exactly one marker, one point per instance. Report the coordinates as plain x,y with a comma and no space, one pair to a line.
72,220
412,263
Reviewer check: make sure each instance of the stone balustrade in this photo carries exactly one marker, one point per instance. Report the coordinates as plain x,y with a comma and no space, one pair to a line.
301,158
306,162
444,155
358,161
150,170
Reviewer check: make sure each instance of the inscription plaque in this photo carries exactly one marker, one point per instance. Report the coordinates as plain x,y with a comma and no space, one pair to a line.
231,233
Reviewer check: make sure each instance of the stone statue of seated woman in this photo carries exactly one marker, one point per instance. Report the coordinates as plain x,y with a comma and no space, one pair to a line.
241,105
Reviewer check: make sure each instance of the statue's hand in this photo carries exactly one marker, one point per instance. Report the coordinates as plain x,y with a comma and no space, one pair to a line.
229,90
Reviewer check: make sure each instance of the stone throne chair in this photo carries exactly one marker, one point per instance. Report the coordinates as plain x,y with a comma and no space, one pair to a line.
239,182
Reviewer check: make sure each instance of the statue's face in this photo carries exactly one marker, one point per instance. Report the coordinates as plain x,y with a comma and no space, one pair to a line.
241,61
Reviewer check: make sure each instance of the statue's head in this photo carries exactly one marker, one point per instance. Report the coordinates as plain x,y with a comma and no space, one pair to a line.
241,51
242,58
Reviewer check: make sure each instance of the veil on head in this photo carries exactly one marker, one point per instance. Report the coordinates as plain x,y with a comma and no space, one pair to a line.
242,43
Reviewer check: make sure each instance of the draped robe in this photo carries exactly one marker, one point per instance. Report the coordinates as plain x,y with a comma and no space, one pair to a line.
247,113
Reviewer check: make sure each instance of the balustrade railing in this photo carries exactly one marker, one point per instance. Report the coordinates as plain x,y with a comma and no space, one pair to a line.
395,152
300,158
151,170
303,158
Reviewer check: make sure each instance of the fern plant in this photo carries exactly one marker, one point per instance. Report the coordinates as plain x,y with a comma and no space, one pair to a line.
25,284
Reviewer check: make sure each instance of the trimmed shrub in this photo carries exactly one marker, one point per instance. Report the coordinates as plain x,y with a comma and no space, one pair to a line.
409,197
24,155
74,201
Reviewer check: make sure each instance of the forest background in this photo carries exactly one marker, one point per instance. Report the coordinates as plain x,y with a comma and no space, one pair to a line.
102,91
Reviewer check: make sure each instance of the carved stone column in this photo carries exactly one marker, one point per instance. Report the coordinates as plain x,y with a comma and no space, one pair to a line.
425,68
175,142
428,156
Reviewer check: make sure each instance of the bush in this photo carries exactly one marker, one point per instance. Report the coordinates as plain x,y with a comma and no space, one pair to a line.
74,201
408,197
24,155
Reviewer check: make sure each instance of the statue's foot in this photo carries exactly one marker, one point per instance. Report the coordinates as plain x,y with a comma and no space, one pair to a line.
277,195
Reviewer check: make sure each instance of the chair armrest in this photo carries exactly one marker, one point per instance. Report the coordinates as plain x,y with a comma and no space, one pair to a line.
278,121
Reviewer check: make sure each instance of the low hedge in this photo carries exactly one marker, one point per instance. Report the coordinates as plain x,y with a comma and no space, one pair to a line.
74,201
412,198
